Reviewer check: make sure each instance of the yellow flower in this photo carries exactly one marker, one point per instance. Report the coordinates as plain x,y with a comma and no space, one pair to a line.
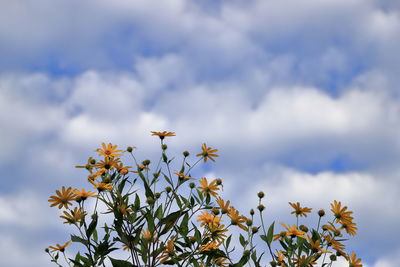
208,153
223,205
216,232
89,166
109,150
315,246
210,246
341,214
208,189
293,231
207,218
83,194
301,260
350,227
63,198
280,257
107,163
74,217
162,135
124,210
299,211
123,170
221,261
236,219
182,176
353,261
146,234
331,228
60,248
168,252
102,186
93,176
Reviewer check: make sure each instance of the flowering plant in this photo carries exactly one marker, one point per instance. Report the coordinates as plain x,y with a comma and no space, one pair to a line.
152,215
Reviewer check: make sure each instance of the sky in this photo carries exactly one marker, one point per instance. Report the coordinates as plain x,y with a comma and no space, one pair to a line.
301,98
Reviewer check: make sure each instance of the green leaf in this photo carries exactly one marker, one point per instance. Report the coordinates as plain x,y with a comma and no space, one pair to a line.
92,226
137,203
228,241
184,228
270,234
95,237
242,240
170,221
75,238
158,213
120,263
150,222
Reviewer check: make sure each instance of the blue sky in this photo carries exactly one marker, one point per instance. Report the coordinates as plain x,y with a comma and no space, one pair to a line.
301,98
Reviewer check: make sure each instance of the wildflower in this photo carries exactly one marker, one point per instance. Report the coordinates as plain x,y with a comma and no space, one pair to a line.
162,135
210,246
331,228
89,165
321,213
123,170
280,257
301,260
107,163
299,211
130,149
63,198
83,194
122,208
341,214
60,248
102,186
293,231
353,261
350,227
147,235
109,150
223,205
216,232
236,219
93,176
207,218
279,236
74,216
168,252
315,246
208,189
182,176
221,261
208,153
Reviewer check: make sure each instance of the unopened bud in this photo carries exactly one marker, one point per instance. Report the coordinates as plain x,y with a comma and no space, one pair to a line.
146,162
249,222
261,207
273,263
215,211
129,149
168,189
164,147
332,257
254,230
93,161
321,213
251,212
246,252
218,181
186,154
150,200
192,185
303,228
46,250
261,194
157,195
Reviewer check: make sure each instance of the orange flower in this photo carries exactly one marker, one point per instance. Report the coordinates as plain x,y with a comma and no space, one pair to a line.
293,231
169,250
107,163
208,153
206,218
182,176
223,205
162,135
102,186
350,227
353,261
63,198
60,248
208,189
83,194
236,219
74,217
299,211
341,214
109,150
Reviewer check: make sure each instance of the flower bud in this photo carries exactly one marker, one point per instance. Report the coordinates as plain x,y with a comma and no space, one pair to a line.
215,211
254,230
92,161
156,174
325,227
260,194
164,147
46,250
261,207
321,213
251,212
249,222
157,195
218,181
186,154
192,239
246,252
192,185
129,149
273,263
333,257
303,228
168,189
150,200
146,162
